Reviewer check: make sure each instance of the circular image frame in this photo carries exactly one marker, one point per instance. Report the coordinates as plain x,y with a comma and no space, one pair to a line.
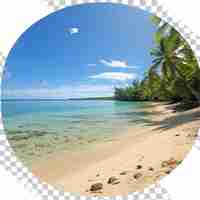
45,191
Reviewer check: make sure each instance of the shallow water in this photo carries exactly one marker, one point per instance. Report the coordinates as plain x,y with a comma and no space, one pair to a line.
70,117
37,129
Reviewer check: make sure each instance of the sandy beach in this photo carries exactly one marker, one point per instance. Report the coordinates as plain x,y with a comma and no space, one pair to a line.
128,162
87,107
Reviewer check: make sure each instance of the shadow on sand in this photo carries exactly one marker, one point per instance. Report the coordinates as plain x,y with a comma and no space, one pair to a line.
172,121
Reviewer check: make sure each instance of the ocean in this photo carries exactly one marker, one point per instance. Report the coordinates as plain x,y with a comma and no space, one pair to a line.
70,117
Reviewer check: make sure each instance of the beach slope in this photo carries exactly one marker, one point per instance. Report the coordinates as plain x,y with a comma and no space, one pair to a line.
128,162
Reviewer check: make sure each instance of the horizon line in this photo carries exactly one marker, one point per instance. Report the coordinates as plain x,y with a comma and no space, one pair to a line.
70,98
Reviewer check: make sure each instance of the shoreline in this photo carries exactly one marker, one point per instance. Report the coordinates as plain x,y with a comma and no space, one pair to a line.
130,158
34,145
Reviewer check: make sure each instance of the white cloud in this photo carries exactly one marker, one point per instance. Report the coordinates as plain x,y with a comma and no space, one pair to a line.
73,30
120,76
116,63
92,64
60,92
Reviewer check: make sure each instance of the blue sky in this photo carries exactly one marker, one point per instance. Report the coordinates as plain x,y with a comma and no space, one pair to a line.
80,51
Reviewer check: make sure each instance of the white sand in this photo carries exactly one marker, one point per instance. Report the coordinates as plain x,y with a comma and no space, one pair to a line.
170,136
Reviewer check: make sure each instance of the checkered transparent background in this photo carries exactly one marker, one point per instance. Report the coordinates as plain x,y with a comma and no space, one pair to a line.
47,192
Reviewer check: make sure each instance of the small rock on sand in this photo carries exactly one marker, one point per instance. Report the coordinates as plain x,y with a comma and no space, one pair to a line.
169,163
151,169
137,175
139,167
192,135
123,173
96,187
168,171
113,180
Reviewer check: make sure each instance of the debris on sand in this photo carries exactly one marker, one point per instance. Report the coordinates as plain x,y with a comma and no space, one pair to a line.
137,176
169,163
113,180
96,187
151,169
139,167
123,173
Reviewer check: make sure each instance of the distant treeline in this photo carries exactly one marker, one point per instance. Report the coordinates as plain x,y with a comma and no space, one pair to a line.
174,74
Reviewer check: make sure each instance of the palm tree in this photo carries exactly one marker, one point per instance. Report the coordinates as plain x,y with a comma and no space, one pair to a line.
171,54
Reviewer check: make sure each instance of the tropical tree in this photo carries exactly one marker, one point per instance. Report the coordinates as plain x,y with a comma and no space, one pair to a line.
171,55
174,74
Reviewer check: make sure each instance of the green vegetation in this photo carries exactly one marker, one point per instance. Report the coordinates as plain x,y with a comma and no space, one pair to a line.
174,75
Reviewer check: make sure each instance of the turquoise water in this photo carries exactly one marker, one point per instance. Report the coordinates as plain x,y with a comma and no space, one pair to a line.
92,117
